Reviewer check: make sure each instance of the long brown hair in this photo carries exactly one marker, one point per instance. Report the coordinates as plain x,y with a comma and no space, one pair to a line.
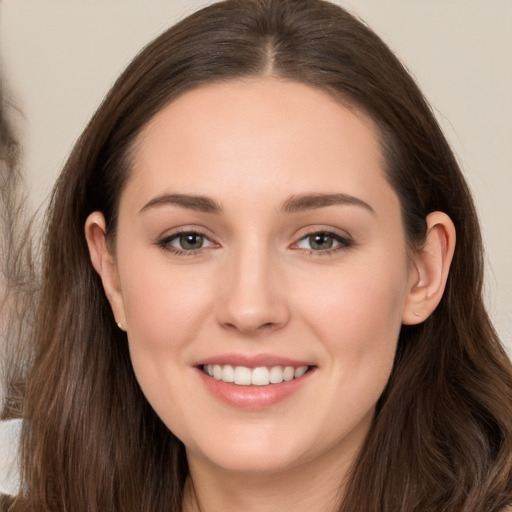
441,439
17,279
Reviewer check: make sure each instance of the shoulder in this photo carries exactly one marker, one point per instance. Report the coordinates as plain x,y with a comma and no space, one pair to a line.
9,444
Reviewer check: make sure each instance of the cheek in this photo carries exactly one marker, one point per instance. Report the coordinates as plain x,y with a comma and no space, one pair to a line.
165,311
159,302
359,321
358,316
367,299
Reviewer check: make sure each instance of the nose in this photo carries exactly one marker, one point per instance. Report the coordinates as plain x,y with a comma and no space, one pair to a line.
253,294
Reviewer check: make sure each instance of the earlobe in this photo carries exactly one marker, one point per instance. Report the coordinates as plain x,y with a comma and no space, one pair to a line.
104,263
430,270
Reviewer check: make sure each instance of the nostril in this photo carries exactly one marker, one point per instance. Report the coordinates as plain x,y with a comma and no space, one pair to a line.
252,328
252,313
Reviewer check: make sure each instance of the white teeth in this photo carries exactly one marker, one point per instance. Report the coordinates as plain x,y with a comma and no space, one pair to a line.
276,375
289,373
228,373
300,371
242,376
260,376
217,371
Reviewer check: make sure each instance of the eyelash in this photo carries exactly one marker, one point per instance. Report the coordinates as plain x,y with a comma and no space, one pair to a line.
165,243
342,243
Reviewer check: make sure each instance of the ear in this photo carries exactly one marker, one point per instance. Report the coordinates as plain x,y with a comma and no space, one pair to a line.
430,267
104,264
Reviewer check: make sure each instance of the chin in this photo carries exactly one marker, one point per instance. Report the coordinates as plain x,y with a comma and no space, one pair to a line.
251,455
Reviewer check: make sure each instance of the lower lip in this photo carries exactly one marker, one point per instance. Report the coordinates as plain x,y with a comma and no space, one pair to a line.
253,397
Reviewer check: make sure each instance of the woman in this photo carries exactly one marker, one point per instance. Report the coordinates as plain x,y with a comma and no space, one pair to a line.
251,295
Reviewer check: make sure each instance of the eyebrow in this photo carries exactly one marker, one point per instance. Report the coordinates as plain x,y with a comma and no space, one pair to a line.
294,204
190,202
314,201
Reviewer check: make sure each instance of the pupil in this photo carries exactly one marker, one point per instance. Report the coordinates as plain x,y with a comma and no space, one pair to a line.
321,241
191,241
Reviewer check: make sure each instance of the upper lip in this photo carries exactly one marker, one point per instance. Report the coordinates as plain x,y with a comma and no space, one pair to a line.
252,361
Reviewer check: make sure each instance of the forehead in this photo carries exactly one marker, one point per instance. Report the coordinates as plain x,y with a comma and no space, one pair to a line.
253,135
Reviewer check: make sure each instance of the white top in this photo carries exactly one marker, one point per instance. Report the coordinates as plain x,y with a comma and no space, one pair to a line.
9,443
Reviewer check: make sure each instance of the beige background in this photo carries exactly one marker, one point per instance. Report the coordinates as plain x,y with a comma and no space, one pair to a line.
60,57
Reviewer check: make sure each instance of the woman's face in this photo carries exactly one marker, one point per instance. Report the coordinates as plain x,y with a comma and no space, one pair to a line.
258,238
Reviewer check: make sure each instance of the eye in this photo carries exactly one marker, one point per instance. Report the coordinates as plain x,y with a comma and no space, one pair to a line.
185,242
323,241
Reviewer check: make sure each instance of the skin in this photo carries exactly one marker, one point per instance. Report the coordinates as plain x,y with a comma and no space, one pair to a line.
259,286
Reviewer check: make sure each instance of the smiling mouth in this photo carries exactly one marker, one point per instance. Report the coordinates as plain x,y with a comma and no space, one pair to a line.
259,376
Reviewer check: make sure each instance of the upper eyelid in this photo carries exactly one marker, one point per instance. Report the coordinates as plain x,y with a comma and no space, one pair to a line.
340,239
173,232
187,232
311,230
